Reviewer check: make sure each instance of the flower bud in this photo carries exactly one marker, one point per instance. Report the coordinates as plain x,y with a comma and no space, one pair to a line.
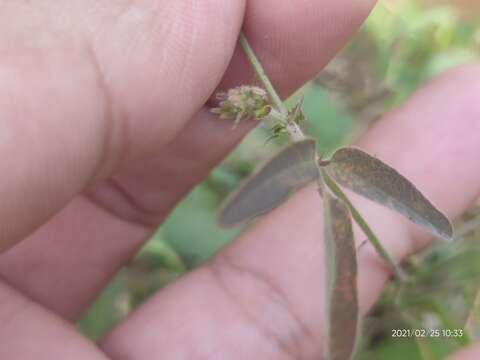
243,102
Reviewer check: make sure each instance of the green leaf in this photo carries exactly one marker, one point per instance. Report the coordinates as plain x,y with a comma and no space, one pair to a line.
342,296
371,178
292,168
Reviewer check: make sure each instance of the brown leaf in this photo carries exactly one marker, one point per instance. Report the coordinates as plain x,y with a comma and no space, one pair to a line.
371,178
342,297
292,168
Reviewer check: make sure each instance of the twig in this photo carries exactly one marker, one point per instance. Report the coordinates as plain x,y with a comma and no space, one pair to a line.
294,130
260,71
467,227
280,113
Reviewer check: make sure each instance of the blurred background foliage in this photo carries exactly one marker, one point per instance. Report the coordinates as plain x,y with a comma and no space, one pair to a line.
402,45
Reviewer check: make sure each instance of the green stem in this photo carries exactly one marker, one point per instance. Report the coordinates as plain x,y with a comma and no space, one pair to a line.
260,71
294,130
382,252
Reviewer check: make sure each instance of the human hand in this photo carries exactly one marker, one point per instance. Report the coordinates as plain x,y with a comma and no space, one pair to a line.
104,128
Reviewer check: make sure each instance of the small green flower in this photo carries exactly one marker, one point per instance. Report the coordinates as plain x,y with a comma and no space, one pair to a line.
278,130
296,113
243,102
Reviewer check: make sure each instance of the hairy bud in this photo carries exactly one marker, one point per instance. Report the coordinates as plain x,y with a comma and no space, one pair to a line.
243,102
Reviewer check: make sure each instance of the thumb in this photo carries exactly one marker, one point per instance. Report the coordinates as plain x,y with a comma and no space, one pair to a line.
87,88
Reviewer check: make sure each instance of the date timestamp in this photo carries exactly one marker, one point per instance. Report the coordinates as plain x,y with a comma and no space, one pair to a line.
427,333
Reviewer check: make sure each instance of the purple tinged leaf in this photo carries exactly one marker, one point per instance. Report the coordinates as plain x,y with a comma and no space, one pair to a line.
291,169
342,297
371,178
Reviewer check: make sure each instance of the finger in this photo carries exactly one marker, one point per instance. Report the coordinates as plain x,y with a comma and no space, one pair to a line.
30,333
471,352
62,265
63,129
81,236
294,39
265,291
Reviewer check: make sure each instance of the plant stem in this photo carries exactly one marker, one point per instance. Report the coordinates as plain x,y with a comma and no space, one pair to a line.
260,71
467,227
296,134
382,252
294,130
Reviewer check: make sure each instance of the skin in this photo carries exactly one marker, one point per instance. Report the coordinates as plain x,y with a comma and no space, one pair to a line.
105,127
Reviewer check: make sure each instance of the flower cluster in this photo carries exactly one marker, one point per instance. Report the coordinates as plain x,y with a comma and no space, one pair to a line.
243,102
